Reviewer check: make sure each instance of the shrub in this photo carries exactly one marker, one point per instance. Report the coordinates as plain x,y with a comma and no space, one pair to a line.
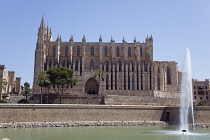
23,101
201,103
2,101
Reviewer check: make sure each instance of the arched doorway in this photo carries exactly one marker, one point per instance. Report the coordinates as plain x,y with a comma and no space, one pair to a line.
91,86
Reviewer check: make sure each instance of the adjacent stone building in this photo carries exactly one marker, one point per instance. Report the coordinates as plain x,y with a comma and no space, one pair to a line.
13,85
201,90
129,67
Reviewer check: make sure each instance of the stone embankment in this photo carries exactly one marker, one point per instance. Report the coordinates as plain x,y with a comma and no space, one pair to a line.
202,125
77,124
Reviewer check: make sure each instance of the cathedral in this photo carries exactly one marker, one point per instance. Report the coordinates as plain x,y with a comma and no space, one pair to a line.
129,68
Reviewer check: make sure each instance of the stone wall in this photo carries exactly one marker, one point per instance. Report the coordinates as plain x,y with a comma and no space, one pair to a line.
73,113
167,94
84,113
139,100
202,114
106,99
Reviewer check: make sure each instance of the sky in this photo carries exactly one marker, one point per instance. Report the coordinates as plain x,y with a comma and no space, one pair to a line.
174,24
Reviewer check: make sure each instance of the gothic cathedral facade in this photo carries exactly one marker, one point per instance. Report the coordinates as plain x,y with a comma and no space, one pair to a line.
128,68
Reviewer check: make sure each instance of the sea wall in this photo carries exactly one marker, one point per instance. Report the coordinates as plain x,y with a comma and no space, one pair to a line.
107,100
73,113
20,113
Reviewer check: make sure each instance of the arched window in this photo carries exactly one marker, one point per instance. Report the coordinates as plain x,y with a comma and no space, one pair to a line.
118,51
64,63
158,69
107,81
66,50
133,85
145,67
158,79
120,66
78,50
132,65
92,51
91,65
129,51
54,51
105,51
158,82
140,51
107,65
76,65
168,71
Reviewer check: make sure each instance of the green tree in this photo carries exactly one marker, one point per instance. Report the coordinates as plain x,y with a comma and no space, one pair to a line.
3,84
43,81
26,89
59,77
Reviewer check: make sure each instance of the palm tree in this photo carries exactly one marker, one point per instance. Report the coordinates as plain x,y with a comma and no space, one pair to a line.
26,89
43,81
3,84
100,75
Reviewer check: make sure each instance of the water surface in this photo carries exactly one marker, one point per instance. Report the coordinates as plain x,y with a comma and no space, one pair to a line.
103,133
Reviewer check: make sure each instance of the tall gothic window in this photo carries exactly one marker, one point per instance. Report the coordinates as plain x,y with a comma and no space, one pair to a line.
141,51
129,51
92,51
76,65
132,65
158,79
78,50
118,51
105,51
54,51
168,71
91,65
107,81
158,82
145,67
120,66
66,50
64,63
107,65
133,85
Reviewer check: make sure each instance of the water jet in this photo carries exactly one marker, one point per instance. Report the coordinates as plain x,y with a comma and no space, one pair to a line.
186,99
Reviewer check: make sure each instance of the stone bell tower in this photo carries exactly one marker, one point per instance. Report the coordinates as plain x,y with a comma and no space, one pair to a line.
44,37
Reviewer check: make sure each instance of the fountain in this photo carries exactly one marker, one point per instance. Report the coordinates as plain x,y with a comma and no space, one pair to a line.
186,99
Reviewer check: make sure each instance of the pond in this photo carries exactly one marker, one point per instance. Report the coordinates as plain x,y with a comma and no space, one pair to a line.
104,133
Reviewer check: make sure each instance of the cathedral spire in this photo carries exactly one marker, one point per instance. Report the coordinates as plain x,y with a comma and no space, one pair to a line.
42,25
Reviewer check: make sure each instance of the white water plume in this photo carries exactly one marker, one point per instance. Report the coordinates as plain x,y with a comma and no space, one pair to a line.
186,98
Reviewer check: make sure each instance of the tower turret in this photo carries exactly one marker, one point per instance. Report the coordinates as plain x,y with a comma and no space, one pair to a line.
83,38
123,41
71,39
100,39
149,47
